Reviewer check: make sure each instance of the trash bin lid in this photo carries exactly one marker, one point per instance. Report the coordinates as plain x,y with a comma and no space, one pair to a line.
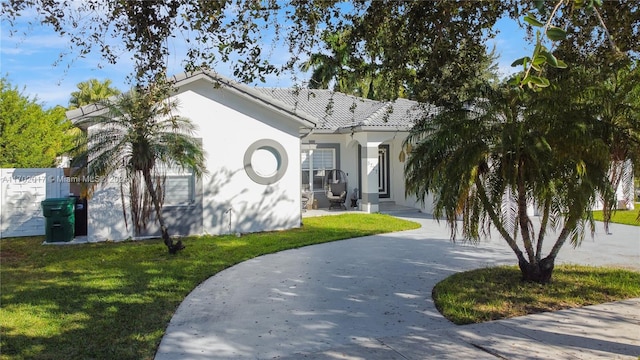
65,200
57,206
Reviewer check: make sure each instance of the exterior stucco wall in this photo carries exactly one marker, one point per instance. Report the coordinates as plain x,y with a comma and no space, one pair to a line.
105,219
227,199
229,125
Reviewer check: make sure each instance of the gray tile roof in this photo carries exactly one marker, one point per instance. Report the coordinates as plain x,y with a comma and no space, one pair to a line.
325,110
335,111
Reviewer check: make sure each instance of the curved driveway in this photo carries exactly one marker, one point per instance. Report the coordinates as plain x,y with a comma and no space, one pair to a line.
325,301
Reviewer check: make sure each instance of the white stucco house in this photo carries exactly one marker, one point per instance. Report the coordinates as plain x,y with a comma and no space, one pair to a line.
264,146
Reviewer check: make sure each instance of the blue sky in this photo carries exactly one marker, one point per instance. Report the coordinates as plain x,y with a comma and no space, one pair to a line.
30,60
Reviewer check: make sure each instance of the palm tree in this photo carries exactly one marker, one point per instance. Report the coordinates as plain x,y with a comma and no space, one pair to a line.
348,73
487,161
139,134
91,91
335,67
618,97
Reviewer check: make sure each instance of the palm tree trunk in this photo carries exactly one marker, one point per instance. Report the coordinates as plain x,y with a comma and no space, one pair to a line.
539,272
535,271
616,174
543,227
173,248
523,218
609,203
497,223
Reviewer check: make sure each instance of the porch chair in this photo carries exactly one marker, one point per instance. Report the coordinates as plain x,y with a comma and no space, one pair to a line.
337,195
336,185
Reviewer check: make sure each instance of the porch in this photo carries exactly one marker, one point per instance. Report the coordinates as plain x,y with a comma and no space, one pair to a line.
385,207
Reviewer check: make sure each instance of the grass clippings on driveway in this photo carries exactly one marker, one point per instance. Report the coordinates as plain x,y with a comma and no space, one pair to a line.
115,300
498,292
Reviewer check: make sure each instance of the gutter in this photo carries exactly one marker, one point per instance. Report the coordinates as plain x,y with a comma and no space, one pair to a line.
371,128
307,134
306,119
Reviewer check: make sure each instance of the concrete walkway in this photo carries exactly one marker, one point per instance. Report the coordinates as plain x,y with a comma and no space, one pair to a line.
370,298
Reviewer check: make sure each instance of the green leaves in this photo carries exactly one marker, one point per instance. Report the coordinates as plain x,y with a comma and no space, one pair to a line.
30,136
541,55
537,81
531,20
555,33
587,4
91,91
524,61
551,60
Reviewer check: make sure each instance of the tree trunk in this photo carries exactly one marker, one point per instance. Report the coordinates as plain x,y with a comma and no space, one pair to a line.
173,248
616,173
539,272
523,218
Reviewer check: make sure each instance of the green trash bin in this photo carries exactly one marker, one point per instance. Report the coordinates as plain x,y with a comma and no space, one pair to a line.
60,219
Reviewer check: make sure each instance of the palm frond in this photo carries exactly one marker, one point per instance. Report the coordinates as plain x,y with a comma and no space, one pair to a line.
136,132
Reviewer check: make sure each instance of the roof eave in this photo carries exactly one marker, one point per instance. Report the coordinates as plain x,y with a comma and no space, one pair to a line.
306,120
84,112
372,128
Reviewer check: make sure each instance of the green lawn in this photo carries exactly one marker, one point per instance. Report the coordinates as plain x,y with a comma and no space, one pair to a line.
627,217
498,293
114,300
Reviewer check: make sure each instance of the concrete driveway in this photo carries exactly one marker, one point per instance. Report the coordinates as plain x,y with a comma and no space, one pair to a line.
370,298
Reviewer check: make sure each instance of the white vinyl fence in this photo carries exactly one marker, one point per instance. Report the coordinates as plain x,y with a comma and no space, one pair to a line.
21,191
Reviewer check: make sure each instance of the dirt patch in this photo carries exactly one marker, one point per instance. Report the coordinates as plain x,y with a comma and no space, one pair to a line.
9,256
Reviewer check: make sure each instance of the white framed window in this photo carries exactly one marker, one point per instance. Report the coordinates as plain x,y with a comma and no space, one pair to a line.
179,187
315,163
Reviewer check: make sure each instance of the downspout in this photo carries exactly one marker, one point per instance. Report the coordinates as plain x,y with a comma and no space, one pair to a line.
229,211
307,134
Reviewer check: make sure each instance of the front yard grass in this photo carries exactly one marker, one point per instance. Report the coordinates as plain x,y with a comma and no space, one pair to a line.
115,300
626,217
497,293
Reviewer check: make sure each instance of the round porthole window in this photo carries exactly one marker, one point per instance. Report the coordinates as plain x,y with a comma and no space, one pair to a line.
265,161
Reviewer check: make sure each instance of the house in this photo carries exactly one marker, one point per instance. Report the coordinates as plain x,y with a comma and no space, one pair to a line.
264,146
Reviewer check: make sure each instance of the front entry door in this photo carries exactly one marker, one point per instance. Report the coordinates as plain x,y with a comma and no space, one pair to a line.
383,171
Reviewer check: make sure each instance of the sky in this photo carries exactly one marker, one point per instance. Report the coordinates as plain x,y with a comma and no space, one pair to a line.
31,61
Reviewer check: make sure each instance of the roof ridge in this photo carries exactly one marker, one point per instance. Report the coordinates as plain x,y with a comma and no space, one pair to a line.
376,114
323,109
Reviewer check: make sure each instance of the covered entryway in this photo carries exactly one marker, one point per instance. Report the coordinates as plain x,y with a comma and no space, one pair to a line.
374,174
384,178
